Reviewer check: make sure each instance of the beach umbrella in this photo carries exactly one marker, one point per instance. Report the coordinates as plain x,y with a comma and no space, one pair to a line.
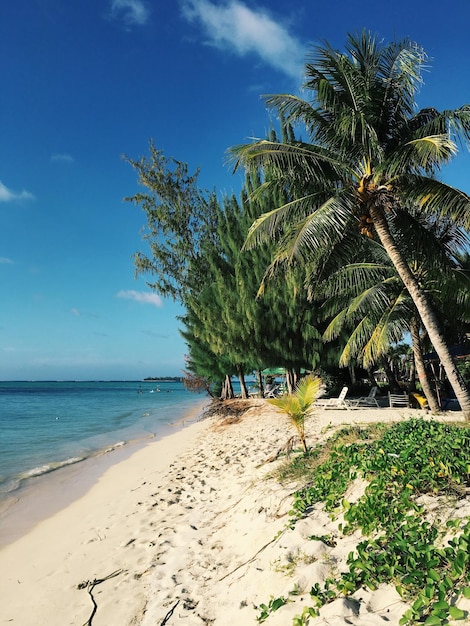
274,371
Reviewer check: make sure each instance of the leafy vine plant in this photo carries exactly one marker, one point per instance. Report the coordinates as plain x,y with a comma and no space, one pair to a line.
401,545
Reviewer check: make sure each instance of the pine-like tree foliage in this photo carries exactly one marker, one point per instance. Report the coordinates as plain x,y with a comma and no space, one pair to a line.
180,226
195,257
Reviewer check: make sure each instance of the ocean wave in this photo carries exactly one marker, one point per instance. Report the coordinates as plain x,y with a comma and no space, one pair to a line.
50,467
119,444
10,484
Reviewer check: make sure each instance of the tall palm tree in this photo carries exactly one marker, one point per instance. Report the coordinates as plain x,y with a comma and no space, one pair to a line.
379,313
368,298
370,156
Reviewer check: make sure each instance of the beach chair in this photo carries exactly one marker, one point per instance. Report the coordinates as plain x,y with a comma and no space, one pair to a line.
271,391
369,400
419,400
398,399
336,403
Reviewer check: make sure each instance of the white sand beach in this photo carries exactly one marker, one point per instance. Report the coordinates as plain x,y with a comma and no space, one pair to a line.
190,530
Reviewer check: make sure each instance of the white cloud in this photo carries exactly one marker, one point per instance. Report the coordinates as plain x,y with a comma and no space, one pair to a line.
144,297
243,30
77,313
130,11
7,195
65,158
5,261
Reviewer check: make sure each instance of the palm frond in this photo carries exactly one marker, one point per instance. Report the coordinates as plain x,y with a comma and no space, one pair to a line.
436,198
425,154
375,297
299,405
433,243
307,392
369,303
455,124
314,162
319,230
270,224
426,122
354,277
335,326
457,288
390,329
459,123
293,109
328,66
287,403
401,67
355,343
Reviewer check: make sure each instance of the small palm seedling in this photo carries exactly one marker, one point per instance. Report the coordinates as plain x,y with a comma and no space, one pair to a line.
299,405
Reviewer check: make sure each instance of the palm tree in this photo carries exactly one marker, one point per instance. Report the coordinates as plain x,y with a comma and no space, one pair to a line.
299,405
369,299
370,157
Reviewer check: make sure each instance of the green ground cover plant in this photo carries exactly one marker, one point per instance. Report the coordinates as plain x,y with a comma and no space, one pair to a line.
266,609
425,557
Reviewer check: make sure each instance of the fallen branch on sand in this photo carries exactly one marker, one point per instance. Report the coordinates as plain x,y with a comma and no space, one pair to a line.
286,448
90,585
169,614
253,557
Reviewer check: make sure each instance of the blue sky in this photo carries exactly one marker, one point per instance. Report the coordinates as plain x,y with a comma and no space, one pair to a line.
87,81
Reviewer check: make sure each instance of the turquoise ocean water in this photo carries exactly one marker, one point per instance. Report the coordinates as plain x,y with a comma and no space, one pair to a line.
45,426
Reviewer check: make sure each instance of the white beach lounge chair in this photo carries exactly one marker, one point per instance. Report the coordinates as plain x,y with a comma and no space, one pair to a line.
271,391
336,403
369,400
398,399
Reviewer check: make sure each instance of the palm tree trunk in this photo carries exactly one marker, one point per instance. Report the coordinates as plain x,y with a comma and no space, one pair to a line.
412,375
425,310
420,367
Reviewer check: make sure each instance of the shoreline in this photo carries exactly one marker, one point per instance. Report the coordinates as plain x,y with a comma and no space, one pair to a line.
83,541
188,529
41,496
